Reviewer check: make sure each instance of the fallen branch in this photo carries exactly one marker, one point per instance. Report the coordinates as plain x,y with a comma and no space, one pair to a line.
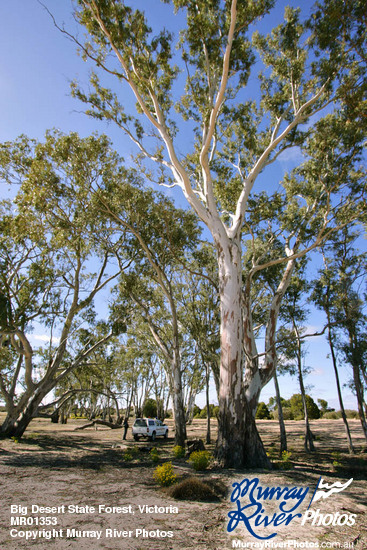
111,425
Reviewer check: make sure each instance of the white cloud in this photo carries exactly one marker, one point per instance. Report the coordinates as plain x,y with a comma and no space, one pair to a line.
293,156
318,372
43,338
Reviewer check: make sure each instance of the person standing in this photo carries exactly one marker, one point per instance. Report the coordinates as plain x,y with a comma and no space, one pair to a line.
126,426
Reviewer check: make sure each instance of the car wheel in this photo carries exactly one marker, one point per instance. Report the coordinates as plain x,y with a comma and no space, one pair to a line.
166,434
136,437
153,436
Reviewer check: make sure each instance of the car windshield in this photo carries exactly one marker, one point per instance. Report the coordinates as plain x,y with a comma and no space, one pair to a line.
140,422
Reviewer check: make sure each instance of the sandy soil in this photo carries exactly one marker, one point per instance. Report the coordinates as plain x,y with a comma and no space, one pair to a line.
56,466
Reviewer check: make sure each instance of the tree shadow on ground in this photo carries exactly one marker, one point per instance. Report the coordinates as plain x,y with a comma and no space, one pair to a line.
93,460
47,451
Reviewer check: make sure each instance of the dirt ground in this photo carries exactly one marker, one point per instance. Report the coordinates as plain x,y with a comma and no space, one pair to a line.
73,471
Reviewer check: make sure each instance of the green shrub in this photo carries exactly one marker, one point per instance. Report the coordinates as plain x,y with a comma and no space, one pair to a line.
337,458
272,453
286,456
213,410
154,454
332,415
216,411
296,404
200,460
134,451
287,413
284,463
164,474
178,451
127,456
262,412
350,414
150,408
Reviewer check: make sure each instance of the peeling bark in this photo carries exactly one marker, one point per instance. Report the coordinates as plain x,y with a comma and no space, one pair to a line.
230,443
239,444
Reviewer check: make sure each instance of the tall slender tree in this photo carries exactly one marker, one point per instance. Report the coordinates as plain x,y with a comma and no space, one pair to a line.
340,292
295,313
161,235
283,433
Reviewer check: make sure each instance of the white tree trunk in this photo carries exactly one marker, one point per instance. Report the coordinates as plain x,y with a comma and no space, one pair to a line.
238,444
230,444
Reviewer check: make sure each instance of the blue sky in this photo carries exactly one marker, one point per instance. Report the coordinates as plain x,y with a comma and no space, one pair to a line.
36,67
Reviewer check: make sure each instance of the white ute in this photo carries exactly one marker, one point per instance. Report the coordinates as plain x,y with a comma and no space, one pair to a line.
150,428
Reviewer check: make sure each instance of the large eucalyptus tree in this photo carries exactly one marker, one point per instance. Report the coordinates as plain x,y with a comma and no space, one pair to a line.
213,116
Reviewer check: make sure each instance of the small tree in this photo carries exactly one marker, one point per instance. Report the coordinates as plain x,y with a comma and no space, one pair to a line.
263,412
324,407
297,408
150,408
